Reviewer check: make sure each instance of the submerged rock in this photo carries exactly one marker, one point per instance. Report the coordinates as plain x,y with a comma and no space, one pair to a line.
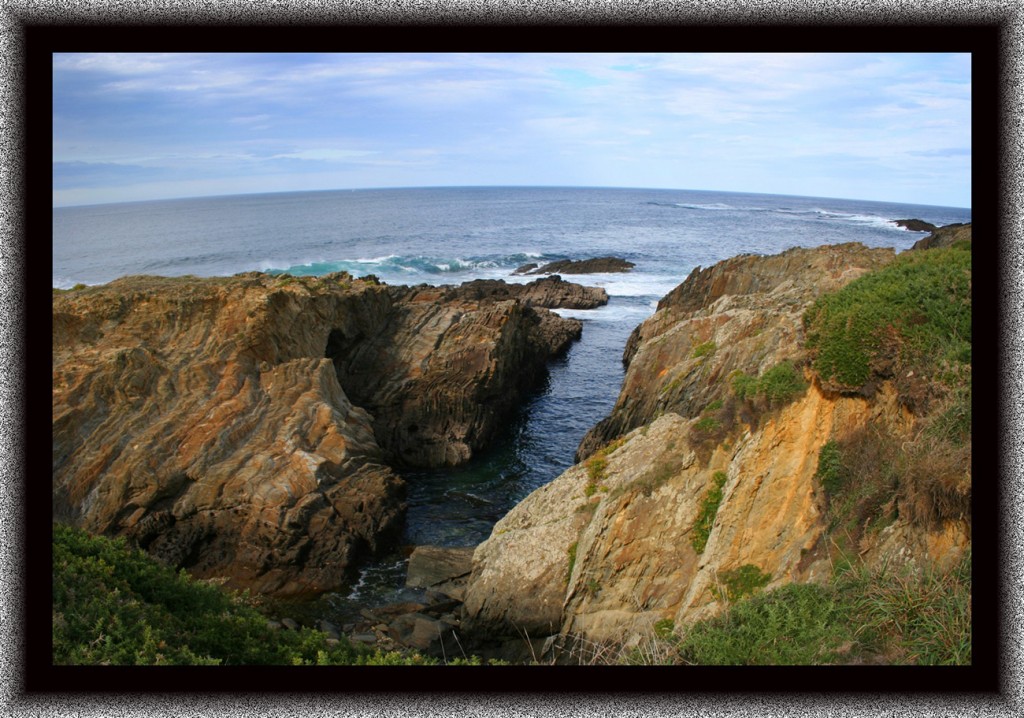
223,423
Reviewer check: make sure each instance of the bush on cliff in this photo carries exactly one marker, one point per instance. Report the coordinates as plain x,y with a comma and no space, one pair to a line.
775,387
910,320
113,605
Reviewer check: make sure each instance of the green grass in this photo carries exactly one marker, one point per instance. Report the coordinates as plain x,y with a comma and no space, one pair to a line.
708,510
913,315
705,349
798,624
572,560
113,605
862,616
745,580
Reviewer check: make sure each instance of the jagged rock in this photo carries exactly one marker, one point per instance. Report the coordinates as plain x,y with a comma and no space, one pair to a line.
550,292
742,314
915,225
215,421
447,369
612,545
945,236
599,265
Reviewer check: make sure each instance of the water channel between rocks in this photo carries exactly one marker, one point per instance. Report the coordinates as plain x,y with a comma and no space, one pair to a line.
456,507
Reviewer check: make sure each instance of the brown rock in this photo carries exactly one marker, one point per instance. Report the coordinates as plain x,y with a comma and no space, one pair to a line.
431,566
915,225
945,236
742,314
598,265
205,417
550,292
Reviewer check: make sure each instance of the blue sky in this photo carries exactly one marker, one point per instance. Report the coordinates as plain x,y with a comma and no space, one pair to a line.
892,127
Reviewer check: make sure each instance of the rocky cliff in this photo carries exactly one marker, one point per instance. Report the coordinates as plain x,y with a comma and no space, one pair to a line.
728,467
245,427
742,314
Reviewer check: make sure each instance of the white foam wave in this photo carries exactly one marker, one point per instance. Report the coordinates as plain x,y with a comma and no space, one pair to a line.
712,206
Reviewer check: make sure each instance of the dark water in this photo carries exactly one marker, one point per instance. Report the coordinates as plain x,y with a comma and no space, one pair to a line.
452,235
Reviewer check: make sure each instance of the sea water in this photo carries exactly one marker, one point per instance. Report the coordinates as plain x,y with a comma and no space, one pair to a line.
453,235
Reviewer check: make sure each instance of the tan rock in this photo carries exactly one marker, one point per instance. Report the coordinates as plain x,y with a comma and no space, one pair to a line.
213,420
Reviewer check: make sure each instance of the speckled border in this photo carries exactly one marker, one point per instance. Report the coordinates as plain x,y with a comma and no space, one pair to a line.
16,14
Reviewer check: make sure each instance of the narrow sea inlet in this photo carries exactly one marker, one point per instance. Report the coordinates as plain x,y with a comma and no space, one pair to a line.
452,235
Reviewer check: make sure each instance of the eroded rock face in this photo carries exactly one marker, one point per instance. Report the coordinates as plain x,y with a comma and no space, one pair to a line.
742,314
615,543
447,368
205,417
550,292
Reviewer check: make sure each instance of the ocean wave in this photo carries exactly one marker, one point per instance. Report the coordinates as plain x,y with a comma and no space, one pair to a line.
819,213
406,266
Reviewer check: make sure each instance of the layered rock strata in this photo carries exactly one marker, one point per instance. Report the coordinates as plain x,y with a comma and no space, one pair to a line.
221,422
665,519
742,314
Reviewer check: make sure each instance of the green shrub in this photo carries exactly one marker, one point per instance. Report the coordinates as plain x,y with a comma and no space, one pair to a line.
705,349
708,510
115,605
913,315
744,386
781,384
777,385
831,472
743,581
706,424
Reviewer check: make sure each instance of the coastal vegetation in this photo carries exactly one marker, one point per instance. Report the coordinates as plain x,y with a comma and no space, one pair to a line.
114,605
887,360
777,385
708,511
909,319
861,616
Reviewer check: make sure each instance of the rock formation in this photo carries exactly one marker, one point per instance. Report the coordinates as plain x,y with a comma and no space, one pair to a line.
742,314
243,427
550,292
915,225
687,495
945,236
598,265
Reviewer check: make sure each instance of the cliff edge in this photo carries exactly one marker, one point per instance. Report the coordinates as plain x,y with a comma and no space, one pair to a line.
244,428
780,416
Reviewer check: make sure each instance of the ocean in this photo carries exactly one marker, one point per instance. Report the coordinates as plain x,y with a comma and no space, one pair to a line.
453,235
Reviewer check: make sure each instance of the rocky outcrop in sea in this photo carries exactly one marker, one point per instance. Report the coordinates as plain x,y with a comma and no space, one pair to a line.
597,265
245,428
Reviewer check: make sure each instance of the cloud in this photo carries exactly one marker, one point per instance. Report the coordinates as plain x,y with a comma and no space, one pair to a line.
436,118
325,155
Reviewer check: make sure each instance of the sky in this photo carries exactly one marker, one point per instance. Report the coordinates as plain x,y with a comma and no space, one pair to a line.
889,127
